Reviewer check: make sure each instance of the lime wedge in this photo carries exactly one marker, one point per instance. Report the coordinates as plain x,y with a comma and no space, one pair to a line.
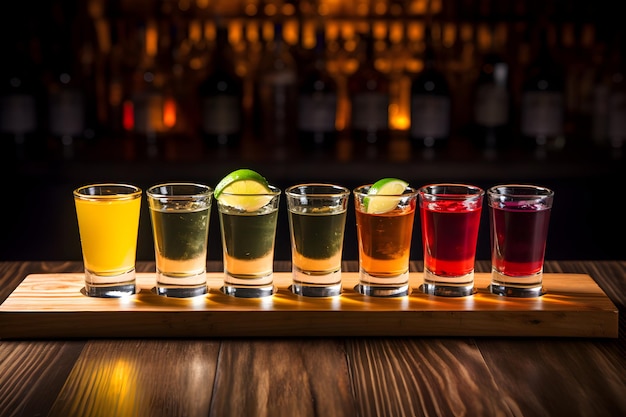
243,189
391,187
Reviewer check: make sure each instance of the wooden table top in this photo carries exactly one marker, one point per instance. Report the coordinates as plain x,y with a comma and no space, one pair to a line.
317,376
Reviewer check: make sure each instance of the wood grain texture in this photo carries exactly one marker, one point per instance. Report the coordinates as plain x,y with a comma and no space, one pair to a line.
423,377
578,379
140,378
317,376
31,375
283,377
52,305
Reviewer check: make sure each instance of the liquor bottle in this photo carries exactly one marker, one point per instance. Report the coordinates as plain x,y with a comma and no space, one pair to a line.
221,96
143,110
317,102
21,109
542,101
616,101
369,97
276,96
66,107
430,102
492,104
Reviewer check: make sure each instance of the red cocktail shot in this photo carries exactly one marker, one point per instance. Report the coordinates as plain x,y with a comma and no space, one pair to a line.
450,218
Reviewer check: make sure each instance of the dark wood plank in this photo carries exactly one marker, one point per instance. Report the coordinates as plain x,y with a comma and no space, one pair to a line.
561,377
283,377
138,378
570,377
423,377
32,375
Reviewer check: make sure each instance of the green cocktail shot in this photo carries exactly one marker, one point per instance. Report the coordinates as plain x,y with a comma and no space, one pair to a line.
248,213
180,215
317,218
317,239
248,240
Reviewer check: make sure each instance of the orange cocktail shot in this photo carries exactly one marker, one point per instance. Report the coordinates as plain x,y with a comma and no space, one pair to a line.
108,223
385,213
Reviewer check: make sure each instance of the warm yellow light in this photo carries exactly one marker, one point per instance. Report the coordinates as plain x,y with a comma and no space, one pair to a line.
169,112
235,32
290,31
251,9
449,35
270,9
396,32
252,32
288,9
209,31
308,35
195,31
152,38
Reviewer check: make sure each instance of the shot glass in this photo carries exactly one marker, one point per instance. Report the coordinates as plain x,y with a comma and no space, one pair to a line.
450,219
519,216
317,219
108,224
384,241
180,214
248,239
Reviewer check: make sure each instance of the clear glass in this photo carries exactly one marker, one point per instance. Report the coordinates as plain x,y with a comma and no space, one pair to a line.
384,243
248,239
108,223
519,217
450,218
317,219
180,214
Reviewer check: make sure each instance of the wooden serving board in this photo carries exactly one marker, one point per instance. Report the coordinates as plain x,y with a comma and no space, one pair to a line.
53,306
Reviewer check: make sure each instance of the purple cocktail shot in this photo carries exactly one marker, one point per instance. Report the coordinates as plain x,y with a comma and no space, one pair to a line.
519,217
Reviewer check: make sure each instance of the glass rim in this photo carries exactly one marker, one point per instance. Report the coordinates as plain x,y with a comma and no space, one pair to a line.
408,191
203,190
126,191
520,190
471,190
335,190
274,191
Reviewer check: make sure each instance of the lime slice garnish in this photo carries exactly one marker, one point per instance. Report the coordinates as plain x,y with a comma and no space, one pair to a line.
243,189
392,187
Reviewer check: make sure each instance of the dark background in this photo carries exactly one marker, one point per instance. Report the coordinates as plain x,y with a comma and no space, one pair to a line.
38,220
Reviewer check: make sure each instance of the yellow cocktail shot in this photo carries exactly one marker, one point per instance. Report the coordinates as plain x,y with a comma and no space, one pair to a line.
108,223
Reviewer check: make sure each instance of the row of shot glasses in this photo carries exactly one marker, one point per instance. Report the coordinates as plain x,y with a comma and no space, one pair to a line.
108,219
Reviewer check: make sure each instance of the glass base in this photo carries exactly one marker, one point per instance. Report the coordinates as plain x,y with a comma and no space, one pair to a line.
516,291
248,291
308,290
395,286
181,286
520,286
180,292
382,290
447,290
110,286
314,285
248,286
458,286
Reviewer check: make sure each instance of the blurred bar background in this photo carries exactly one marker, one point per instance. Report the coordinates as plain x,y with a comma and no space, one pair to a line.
474,91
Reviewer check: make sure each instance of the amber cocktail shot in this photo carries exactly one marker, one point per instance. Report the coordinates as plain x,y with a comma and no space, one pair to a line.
385,212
